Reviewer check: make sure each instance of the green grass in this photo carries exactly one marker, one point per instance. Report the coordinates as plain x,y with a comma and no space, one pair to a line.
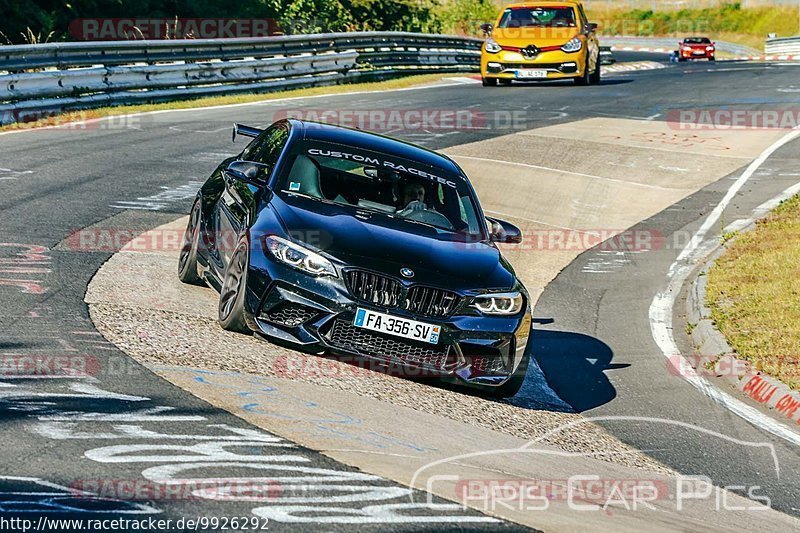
754,294
76,116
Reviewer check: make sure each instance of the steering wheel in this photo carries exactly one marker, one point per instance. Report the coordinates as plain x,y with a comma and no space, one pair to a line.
428,217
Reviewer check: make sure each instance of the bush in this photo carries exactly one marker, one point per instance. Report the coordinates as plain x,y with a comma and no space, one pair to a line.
464,17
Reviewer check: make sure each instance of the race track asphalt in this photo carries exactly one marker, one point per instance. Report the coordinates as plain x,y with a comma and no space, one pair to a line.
142,171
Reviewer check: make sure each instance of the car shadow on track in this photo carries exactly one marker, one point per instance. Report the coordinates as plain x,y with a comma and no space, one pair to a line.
563,83
574,365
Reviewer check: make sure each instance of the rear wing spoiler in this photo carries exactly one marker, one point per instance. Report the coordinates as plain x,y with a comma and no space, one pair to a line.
247,131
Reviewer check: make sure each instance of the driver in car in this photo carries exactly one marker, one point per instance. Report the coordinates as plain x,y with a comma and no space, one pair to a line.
413,197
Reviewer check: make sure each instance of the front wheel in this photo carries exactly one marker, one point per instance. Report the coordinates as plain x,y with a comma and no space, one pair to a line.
584,79
711,58
489,82
514,384
187,260
234,288
594,78
505,81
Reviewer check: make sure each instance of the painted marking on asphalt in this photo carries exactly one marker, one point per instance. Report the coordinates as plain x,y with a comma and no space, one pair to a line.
608,261
631,117
268,398
166,198
527,219
7,174
464,80
663,302
537,167
715,214
42,494
29,260
306,490
68,430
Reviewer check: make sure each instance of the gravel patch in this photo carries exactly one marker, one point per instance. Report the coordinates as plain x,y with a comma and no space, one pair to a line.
163,337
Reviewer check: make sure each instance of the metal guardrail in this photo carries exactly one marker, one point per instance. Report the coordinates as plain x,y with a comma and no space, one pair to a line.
671,43
37,80
783,46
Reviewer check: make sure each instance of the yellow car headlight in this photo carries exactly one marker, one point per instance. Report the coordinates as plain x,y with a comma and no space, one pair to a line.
573,45
491,46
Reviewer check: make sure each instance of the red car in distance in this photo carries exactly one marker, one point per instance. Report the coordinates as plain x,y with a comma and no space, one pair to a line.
696,48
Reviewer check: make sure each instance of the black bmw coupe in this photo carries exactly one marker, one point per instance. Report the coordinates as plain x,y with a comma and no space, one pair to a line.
345,242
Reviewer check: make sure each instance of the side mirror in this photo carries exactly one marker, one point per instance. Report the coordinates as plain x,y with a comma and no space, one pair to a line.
591,26
487,28
248,172
502,231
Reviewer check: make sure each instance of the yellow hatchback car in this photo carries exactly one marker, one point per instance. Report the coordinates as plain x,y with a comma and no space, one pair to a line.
548,40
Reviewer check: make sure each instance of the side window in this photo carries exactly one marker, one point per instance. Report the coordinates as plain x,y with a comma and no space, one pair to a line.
267,147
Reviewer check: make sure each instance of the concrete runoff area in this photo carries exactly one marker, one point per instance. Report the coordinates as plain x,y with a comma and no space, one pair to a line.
137,303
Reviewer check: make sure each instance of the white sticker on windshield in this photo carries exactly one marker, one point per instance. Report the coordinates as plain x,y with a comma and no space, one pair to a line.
294,186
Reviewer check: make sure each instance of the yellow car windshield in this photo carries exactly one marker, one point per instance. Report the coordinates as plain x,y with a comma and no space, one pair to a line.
538,17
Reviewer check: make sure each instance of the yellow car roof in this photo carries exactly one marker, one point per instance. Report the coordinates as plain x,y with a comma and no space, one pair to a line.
543,3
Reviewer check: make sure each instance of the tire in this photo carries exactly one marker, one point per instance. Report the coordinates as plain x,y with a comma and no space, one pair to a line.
187,260
514,384
584,79
711,58
489,82
681,59
504,81
594,77
234,288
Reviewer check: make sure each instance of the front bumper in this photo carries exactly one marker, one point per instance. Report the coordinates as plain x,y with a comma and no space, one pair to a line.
558,65
317,315
695,54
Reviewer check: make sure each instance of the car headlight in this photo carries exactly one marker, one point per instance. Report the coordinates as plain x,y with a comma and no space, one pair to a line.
299,257
710,48
491,46
573,45
506,303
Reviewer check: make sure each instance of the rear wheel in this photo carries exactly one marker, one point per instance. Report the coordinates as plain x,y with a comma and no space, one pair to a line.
505,81
234,287
187,260
489,82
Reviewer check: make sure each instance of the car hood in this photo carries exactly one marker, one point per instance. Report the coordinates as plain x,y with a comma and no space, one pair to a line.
382,243
541,37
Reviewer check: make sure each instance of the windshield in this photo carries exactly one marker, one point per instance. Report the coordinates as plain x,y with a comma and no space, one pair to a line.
697,40
538,17
381,183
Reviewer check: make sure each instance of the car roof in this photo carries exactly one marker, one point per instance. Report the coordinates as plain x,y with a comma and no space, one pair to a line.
543,3
319,131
